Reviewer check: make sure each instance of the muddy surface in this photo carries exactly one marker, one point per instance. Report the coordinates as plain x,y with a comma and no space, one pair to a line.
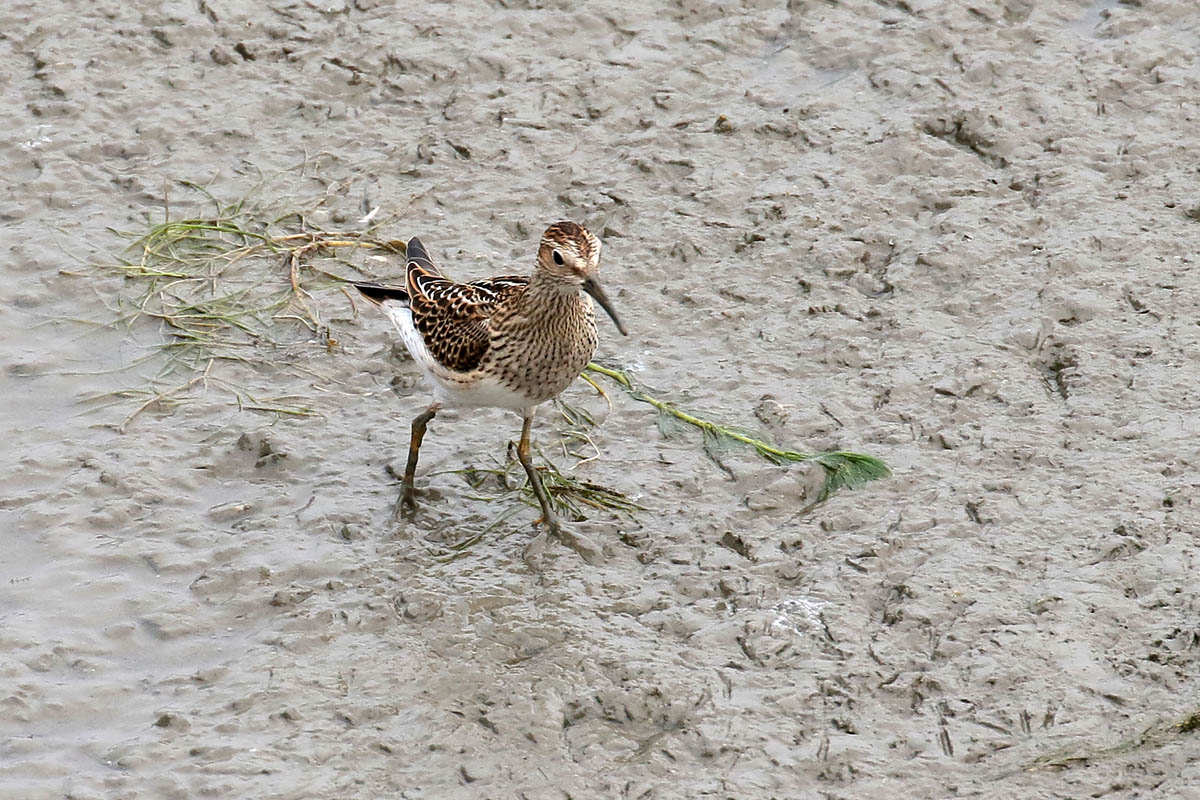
961,237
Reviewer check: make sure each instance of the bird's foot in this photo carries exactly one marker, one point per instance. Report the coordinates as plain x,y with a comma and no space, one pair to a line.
406,506
533,552
588,550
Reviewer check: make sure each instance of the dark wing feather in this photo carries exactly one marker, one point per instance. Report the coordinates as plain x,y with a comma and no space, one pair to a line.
453,318
378,292
417,254
502,286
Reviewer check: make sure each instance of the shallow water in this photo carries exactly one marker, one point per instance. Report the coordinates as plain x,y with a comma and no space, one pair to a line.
959,239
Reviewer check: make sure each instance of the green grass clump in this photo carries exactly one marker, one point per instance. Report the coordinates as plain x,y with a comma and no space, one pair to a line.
843,469
571,497
234,295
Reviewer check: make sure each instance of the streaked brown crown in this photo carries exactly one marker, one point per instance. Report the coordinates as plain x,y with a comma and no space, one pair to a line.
577,248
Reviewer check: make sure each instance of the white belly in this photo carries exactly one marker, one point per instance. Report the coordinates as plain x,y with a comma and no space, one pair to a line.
482,393
456,389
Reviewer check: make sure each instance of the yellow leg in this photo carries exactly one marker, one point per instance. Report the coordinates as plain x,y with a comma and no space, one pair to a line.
581,544
548,517
408,499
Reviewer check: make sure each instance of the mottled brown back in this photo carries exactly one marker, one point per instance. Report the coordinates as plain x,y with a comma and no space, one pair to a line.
452,317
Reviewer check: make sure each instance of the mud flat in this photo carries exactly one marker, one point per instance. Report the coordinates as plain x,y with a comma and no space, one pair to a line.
959,238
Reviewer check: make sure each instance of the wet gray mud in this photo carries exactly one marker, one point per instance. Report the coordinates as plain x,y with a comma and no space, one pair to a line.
959,237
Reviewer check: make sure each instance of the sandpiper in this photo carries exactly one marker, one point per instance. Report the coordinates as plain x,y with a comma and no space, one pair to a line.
509,342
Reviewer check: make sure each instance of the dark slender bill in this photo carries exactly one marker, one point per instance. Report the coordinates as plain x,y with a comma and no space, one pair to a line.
593,288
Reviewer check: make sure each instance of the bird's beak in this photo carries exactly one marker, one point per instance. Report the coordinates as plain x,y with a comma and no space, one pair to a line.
592,287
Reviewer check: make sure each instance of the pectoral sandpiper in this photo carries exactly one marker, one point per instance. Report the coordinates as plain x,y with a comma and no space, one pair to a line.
509,342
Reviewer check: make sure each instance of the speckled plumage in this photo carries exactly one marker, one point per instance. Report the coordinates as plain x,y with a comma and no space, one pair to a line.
513,342
509,342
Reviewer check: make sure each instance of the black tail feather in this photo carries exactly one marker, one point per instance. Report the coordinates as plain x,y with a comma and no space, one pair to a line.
377,292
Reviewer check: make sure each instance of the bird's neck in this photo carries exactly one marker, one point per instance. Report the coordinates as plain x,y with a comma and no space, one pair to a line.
551,296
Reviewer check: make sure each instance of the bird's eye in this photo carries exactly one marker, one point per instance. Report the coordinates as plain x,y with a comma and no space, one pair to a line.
558,259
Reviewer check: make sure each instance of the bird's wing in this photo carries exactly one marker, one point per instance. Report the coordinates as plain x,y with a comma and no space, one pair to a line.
451,317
